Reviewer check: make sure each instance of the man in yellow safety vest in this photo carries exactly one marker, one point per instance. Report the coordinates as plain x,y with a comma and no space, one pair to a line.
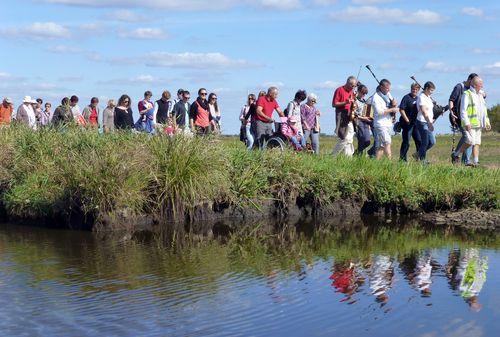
474,117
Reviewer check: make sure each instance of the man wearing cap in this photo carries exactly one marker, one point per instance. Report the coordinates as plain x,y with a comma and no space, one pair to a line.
26,114
6,111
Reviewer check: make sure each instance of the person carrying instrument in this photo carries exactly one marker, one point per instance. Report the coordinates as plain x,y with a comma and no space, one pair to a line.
343,98
409,111
363,122
384,107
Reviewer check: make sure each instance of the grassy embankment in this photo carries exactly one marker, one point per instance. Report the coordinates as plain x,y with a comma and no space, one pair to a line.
48,173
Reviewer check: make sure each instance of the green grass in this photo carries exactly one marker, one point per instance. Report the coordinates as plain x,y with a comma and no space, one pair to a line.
50,172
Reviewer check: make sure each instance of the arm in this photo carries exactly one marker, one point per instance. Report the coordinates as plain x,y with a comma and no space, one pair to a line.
280,112
463,111
403,114
155,112
427,115
260,112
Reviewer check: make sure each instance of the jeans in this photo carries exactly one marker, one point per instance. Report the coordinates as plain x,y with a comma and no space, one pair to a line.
363,135
468,153
427,138
372,152
409,131
314,139
249,135
296,142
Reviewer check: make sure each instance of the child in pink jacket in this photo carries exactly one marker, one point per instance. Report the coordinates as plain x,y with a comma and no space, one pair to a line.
291,131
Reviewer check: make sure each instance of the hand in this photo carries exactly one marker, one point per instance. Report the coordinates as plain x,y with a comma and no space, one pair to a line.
431,127
407,121
318,113
270,120
468,127
488,127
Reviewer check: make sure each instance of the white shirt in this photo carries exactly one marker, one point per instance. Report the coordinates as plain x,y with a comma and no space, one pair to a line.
424,100
26,114
379,105
479,103
75,110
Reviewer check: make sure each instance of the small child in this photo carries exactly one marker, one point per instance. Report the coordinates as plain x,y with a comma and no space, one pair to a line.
169,129
291,131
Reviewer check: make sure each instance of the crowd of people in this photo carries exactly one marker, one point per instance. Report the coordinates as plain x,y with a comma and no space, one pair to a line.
166,115
355,115
372,117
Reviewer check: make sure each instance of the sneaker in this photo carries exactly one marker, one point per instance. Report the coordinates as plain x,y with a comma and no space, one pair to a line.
470,164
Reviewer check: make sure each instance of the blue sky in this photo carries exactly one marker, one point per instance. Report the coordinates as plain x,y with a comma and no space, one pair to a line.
103,48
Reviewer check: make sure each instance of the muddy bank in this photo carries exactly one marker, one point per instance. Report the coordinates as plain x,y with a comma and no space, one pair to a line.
221,218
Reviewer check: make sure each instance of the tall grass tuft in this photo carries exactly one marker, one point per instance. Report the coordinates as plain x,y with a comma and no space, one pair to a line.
53,172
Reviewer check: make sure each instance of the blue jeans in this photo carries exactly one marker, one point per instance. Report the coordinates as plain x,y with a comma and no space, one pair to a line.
408,131
372,152
468,153
249,135
314,139
296,143
427,138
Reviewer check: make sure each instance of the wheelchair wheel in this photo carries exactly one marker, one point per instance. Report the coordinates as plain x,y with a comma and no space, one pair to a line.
275,143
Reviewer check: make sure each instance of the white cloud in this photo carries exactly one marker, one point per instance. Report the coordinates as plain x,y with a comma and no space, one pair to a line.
371,14
444,67
370,2
185,5
63,49
37,31
280,4
325,2
144,34
192,60
472,11
327,85
140,79
485,51
126,15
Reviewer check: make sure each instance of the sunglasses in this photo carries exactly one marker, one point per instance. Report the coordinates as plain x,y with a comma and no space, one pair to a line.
203,94
214,98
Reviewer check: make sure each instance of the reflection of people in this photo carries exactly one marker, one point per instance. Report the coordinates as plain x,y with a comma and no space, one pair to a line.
472,276
423,272
417,270
381,276
346,279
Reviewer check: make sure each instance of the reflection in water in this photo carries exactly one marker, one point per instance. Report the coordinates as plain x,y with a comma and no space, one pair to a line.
395,281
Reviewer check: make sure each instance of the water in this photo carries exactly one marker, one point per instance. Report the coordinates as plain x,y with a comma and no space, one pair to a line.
361,282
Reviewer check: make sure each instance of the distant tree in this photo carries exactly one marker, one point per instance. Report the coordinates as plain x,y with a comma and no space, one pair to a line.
494,115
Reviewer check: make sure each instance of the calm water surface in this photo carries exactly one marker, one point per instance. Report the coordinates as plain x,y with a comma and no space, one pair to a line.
386,282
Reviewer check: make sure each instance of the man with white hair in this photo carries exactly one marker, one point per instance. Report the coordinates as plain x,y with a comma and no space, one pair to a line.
6,110
266,105
343,98
474,117
26,114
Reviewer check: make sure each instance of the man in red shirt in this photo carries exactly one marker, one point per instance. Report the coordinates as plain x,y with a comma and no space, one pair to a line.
264,115
342,100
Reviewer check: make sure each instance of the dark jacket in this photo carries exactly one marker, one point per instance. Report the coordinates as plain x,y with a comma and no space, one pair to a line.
179,113
62,115
193,111
124,119
162,113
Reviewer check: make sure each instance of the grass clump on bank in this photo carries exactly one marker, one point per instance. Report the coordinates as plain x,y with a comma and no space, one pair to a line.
53,172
